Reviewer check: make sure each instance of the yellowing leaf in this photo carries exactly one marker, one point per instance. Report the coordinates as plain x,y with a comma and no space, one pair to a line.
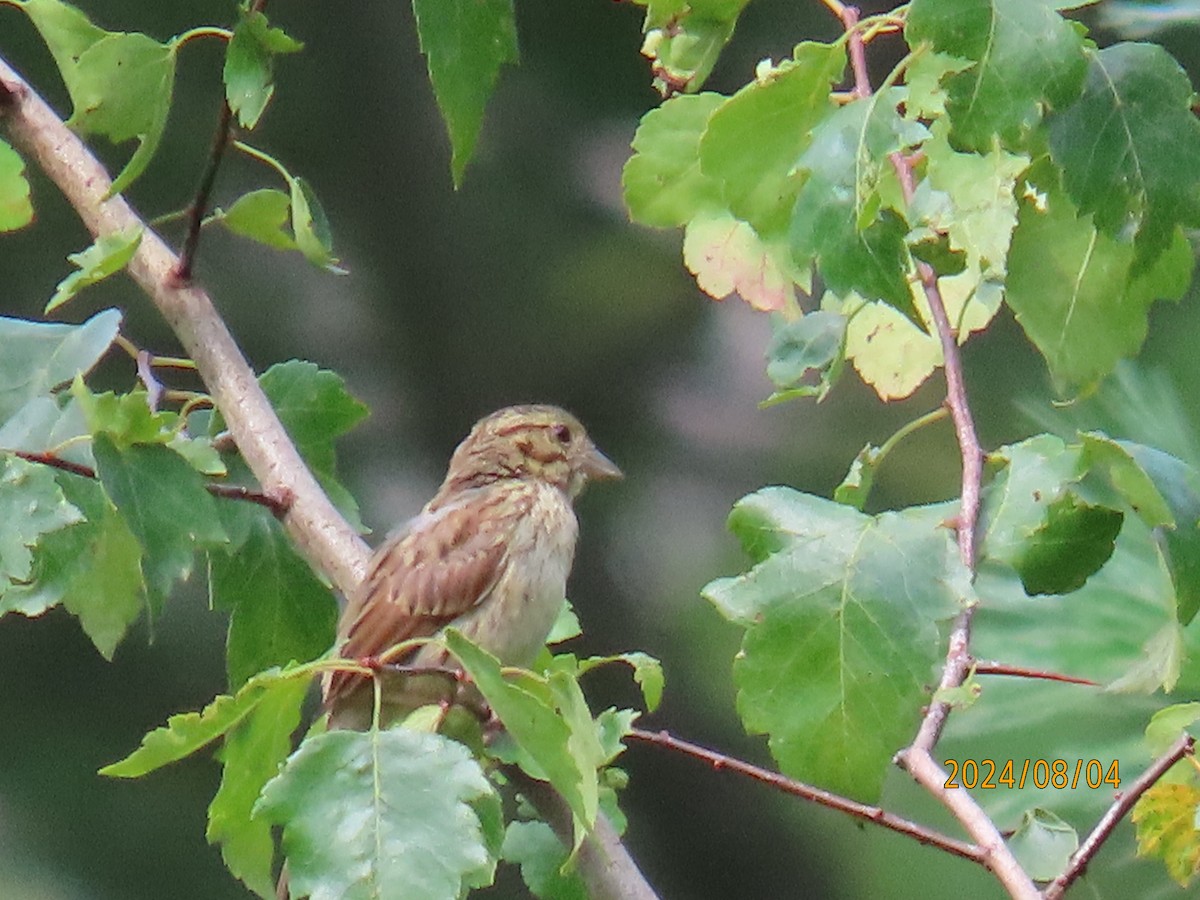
1165,817
726,256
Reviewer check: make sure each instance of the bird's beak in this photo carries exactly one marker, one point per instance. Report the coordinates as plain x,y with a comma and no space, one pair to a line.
597,465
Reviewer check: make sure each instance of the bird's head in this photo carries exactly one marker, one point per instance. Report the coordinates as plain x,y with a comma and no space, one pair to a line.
528,442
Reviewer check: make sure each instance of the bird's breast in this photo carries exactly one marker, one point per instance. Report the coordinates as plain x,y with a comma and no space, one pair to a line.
515,618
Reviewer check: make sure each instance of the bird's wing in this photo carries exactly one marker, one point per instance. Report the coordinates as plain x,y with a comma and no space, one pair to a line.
443,564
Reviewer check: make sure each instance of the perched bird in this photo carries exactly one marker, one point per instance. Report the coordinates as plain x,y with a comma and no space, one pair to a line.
489,555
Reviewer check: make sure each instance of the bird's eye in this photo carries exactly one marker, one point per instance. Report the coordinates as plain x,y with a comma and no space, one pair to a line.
561,433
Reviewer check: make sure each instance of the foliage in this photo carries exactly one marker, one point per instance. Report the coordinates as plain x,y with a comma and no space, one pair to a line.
1006,161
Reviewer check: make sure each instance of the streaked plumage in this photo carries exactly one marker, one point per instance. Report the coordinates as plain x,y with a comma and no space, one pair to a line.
490,554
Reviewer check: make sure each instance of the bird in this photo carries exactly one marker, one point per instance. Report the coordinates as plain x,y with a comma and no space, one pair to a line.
488,555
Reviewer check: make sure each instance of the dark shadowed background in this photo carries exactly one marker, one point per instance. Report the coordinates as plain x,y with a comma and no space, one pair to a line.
527,284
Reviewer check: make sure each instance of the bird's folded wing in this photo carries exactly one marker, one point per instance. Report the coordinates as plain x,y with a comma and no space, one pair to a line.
445,563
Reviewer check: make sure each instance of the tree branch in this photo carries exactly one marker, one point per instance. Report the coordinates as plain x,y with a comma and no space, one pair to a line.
324,538
874,814
1078,863
603,862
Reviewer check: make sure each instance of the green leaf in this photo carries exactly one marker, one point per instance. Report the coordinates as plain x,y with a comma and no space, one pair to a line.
1165,492
1076,293
565,627
93,568
533,718
1114,460
1160,666
837,220
1165,817
261,216
67,31
1042,844
108,255
751,143
1129,147
726,255
612,727
379,815
1037,472
120,84
311,228
662,181
1074,540
683,40
31,506
280,610
970,198
1027,57
813,342
465,43
249,66
185,733
250,757
15,209
542,857
1168,724
37,357
122,89
316,409
841,614
166,505
647,672
856,486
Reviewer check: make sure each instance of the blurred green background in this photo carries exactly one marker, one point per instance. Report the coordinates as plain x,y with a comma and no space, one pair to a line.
527,284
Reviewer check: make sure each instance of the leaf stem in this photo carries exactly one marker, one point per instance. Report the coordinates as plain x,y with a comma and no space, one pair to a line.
1184,747
992,667
934,415
202,31
720,762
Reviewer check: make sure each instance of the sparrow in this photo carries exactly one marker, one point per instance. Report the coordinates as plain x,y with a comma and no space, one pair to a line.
488,555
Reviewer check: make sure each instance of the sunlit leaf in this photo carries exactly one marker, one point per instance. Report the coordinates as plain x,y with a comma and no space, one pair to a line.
662,181
15,209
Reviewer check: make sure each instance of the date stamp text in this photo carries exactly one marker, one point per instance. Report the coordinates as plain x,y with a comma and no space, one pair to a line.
1060,774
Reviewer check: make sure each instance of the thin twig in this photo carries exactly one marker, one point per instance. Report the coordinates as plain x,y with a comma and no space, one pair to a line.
277,505
874,814
992,667
199,205
195,215
1185,746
